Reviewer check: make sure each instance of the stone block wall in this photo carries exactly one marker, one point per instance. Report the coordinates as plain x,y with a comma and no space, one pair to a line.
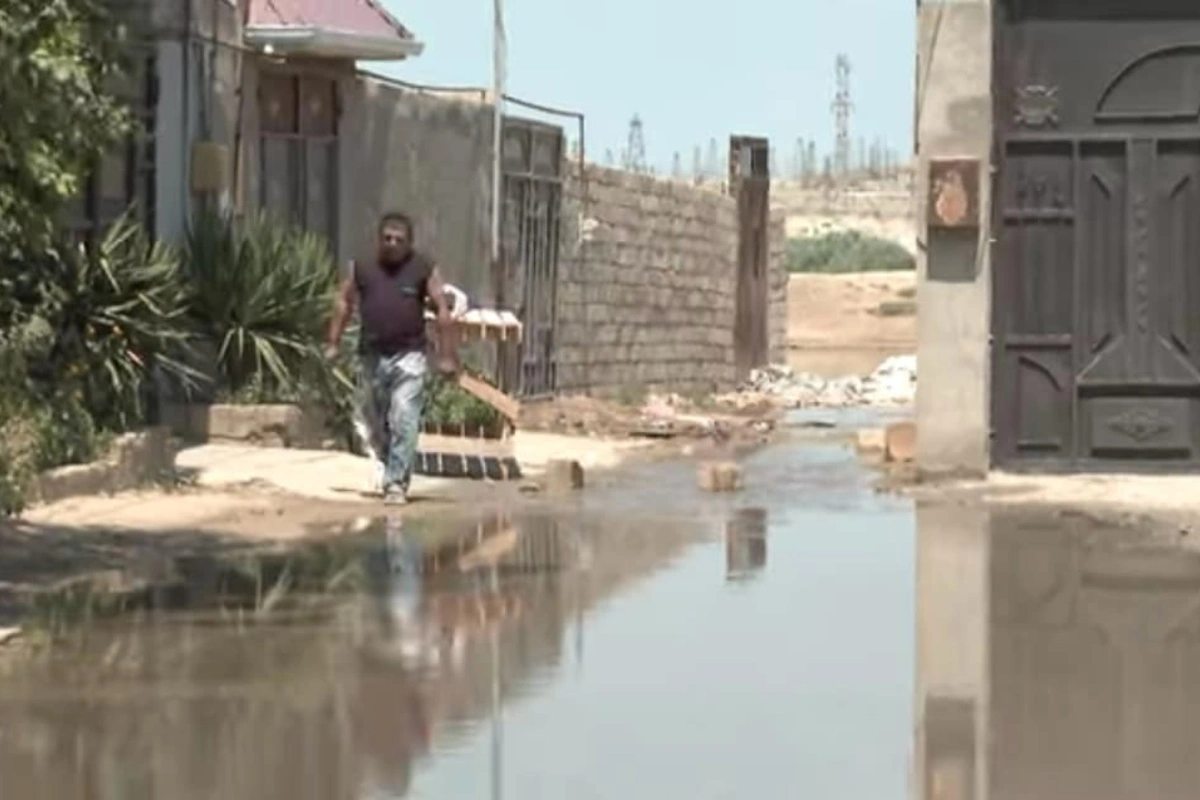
647,285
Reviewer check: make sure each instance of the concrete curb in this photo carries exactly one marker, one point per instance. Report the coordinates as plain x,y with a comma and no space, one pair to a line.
135,460
280,425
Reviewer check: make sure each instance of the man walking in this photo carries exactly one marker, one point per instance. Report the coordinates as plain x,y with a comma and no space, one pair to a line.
391,293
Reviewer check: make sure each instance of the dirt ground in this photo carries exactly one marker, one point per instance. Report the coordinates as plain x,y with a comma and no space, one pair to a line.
856,310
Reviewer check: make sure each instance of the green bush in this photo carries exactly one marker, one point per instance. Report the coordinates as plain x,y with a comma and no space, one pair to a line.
36,435
120,310
846,251
81,345
263,293
262,296
449,404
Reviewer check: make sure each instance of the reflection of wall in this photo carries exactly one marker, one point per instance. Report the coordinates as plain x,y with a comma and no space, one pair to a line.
951,691
1095,666
1055,660
746,544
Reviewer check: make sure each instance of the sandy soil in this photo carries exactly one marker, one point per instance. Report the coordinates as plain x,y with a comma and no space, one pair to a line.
866,309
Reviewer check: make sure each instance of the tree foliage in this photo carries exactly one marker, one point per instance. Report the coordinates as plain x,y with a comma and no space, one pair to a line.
846,251
59,59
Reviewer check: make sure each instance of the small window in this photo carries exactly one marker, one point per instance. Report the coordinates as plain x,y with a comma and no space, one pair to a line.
298,151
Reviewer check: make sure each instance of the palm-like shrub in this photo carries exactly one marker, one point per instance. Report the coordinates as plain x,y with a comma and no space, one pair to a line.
119,310
80,346
262,296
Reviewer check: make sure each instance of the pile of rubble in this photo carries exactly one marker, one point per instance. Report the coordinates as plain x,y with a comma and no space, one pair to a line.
893,383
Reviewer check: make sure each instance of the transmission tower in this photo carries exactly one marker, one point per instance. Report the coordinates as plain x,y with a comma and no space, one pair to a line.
635,149
842,108
677,166
712,163
697,165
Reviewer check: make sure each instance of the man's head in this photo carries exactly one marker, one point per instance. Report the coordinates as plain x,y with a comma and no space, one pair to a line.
395,237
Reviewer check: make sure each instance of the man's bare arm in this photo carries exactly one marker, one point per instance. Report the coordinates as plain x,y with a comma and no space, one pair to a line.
447,334
343,308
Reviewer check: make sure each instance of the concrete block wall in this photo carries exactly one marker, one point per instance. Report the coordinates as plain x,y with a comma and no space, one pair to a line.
647,284
427,156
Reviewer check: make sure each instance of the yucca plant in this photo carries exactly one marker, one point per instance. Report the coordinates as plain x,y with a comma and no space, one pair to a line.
263,293
120,311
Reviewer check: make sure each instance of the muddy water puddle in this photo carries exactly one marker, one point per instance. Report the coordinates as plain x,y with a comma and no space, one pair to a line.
804,638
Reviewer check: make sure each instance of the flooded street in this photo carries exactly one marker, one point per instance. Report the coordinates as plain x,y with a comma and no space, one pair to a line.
804,638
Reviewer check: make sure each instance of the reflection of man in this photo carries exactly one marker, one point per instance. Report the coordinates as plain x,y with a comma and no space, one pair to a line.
392,292
398,591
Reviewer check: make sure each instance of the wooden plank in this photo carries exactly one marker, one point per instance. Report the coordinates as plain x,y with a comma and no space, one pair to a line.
506,405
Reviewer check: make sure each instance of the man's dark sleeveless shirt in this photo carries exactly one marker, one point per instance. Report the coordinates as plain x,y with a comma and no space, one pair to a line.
392,304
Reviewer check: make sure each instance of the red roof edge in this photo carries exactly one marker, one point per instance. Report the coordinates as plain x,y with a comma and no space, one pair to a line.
404,32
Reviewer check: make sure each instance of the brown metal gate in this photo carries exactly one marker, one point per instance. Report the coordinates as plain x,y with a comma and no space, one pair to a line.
532,158
1096,260
750,183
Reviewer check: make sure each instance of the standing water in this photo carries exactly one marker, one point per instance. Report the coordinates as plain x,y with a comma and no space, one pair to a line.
647,641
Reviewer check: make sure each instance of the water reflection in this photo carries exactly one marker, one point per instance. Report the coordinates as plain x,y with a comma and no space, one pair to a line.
1057,659
746,544
404,661
205,705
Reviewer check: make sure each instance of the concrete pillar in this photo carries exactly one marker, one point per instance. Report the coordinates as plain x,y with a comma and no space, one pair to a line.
953,120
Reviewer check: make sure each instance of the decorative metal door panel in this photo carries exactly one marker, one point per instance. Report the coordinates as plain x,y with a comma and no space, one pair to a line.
1096,261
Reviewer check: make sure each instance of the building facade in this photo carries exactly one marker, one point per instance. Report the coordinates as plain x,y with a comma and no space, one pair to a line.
1059,145
261,105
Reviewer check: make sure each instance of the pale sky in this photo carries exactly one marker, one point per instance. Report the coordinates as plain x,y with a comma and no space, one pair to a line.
691,69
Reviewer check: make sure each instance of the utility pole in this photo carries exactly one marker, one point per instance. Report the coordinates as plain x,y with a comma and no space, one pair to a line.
499,57
842,108
677,166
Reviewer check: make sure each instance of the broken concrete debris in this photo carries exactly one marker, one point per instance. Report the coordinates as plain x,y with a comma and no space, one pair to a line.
900,442
893,383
